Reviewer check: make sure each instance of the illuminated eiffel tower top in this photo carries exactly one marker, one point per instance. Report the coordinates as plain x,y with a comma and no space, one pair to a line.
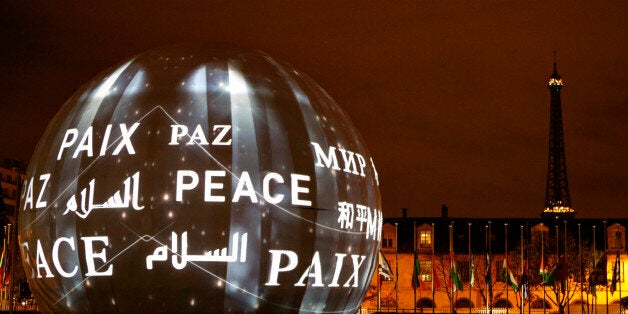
557,199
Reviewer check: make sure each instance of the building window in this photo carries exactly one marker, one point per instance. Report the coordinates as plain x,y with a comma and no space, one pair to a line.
616,238
388,239
426,271
425,239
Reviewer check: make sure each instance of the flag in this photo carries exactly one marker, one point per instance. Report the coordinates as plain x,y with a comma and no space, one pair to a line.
546,276
3,261
560,271
384,267
435,281
508,277
454,274
487,277
416,272
6,260
524,281
598,274
616,274
472,272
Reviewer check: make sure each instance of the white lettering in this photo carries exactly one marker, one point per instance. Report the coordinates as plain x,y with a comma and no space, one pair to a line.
198,137
273,199
331,159
244,188
314,271
181,174
90,255
275,266
209,185
177,132
126,139
68,140
105,141
55,256
85,144
44,177
356,267
297,189
221,138
339,258
40,260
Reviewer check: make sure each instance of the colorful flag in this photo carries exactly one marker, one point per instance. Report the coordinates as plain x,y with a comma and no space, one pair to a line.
508,277
616,274
524,281
472,272
454,274
384,267
598,274
5,261
487,277
546,276
416,272
560,272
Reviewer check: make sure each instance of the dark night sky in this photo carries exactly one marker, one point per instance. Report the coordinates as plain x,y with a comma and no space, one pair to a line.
451,97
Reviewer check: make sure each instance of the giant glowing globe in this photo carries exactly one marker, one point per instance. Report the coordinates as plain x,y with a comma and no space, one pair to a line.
200,179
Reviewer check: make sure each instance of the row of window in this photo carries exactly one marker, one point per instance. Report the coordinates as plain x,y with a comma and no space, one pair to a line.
9,193
463,269
424,238
8,178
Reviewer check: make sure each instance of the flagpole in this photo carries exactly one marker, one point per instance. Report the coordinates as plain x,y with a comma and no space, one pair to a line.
506,256
605,266
433,279
523,284
593,264
413,262
543,263
556,263
621,307
566,281
13,247
581,269
489,270
379,289
487,265
527,241
470,263
9,258
396,267
451,265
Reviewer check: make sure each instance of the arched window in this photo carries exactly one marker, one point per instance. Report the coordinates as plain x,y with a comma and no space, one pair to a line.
425,303
578,302
538,304
502,303
464,303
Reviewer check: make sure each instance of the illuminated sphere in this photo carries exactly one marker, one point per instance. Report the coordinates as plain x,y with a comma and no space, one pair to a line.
200,179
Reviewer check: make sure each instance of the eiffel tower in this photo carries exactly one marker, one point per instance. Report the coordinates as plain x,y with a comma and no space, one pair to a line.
557,199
